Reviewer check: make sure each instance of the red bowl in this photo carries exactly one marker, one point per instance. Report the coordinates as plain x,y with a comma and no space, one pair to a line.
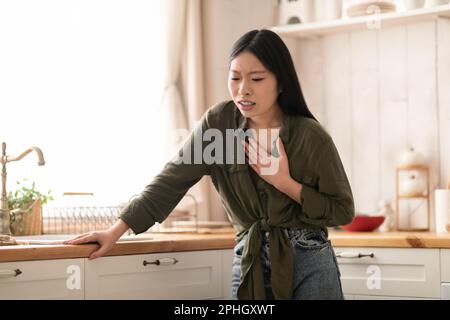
364,223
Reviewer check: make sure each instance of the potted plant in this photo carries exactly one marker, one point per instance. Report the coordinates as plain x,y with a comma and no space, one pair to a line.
25,204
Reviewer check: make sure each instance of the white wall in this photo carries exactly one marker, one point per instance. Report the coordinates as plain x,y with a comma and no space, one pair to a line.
378,92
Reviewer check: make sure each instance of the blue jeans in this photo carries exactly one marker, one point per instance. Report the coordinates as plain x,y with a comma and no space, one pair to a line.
316,272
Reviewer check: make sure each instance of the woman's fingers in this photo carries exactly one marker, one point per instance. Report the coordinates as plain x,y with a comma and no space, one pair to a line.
81,235
84,238
103,238
256,154
99,252
251,154
75,238
255,168
281,149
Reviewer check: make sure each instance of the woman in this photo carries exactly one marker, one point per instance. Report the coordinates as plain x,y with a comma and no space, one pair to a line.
281,198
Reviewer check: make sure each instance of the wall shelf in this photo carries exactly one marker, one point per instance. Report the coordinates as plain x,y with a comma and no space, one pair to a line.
321,28
413,197
425,195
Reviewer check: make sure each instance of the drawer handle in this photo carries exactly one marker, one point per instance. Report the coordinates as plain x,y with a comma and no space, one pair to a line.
354,255
162,262
9,273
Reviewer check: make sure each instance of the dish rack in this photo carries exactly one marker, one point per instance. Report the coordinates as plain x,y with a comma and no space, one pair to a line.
82,219
78,219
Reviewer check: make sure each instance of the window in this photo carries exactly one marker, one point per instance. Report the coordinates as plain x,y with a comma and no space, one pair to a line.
83,81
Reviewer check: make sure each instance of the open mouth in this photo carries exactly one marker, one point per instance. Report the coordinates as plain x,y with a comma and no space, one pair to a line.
246,105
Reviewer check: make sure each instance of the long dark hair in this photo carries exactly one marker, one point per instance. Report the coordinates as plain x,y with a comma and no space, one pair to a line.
270,49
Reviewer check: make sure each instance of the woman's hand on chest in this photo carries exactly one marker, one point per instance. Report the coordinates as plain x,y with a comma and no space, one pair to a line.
274,170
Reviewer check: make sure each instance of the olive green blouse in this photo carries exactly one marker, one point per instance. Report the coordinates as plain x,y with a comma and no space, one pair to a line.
252,205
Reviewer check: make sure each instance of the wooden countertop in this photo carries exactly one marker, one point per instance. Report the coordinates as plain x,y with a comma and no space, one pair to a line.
191,242
390,239
160,243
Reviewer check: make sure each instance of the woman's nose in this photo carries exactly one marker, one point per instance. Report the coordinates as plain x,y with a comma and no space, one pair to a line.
245,89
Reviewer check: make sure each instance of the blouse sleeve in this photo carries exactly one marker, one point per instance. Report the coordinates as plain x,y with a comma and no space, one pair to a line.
162,195
331,203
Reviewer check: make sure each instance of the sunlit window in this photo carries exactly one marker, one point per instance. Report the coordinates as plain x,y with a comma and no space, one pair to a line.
82,80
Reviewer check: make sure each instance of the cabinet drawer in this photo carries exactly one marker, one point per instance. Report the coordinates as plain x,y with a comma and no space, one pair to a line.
405,272
195,275
43,279
445,265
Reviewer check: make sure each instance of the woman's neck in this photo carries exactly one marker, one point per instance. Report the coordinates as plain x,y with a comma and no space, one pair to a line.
269,120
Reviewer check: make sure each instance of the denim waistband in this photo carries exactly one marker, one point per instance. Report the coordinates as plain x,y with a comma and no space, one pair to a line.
294,233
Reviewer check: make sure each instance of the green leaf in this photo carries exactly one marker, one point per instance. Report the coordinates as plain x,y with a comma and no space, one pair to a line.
24,196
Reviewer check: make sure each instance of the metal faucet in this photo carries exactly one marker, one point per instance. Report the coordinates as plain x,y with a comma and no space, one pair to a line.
4,210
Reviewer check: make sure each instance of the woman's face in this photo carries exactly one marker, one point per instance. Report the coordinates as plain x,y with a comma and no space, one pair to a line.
253,88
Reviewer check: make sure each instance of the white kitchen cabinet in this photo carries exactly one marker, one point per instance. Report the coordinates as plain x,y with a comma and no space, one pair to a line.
445,291
445,265
445,274
187,275
390,272
42,279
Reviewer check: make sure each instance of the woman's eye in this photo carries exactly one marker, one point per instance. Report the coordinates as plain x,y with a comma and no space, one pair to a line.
236,79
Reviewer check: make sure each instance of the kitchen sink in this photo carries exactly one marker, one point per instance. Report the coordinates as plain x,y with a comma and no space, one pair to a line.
44,238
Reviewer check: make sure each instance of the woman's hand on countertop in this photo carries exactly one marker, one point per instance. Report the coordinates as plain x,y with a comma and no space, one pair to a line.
105,238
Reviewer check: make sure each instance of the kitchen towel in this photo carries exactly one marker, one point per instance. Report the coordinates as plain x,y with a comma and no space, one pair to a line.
442,207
